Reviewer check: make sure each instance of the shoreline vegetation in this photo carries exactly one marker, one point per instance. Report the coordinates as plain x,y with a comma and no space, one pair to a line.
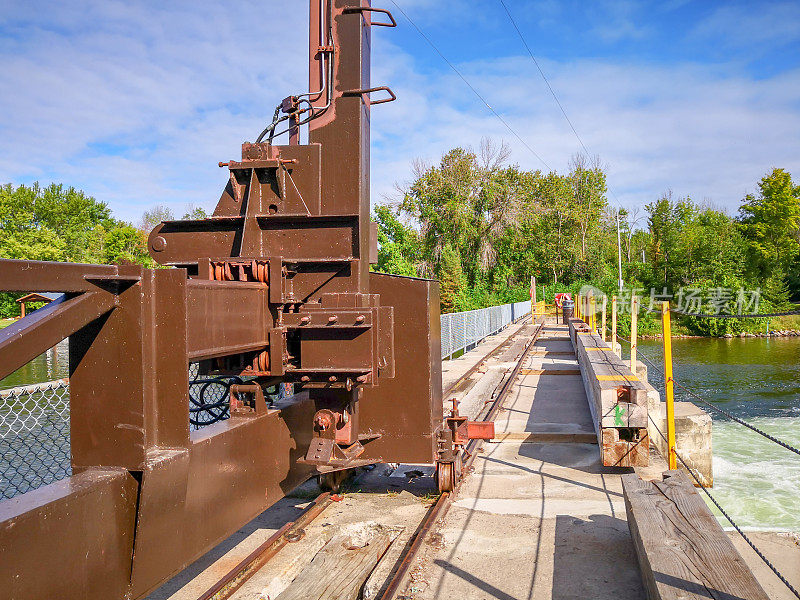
483,227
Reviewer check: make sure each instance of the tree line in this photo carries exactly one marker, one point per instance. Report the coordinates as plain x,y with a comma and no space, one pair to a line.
60,223
483,227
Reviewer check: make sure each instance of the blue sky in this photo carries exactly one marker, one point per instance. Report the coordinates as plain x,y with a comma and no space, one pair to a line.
136,102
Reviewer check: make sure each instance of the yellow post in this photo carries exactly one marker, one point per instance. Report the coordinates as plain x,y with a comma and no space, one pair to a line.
614,323
666,334
634,319
578,306
603,331
592,322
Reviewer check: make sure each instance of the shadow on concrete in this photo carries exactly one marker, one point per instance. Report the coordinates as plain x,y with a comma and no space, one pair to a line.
553,345
594,558
552,476
479,583
581,457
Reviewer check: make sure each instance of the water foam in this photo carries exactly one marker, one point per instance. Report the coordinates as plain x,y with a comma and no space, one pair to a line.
756,481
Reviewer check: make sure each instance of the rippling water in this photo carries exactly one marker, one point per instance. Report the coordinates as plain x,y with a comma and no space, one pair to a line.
757,380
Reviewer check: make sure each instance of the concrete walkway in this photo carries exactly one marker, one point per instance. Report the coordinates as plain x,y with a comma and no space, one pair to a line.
539,517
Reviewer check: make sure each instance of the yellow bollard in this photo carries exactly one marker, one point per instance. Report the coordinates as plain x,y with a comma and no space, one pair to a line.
591,313
603,330
669,384
578,306
614,323
634,319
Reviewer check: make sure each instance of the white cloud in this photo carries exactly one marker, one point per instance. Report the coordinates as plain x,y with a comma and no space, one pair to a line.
703,130
136,103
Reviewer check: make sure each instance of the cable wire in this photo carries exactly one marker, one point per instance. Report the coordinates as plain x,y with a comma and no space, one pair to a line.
727,516
698,397
470,86
535,62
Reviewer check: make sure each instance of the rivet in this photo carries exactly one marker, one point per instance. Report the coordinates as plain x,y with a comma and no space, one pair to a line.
159,244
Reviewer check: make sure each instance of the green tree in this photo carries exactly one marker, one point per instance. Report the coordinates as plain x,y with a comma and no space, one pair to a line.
451,280
126,244
770,222
193,213
154,216
60,223
398,244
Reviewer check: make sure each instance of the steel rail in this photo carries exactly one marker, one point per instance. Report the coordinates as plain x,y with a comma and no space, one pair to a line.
439,509
237,576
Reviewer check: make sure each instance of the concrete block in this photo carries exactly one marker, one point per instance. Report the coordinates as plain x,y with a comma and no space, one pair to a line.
692,438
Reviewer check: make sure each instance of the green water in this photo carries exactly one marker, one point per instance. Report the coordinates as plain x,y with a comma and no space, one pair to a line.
53,364
757,380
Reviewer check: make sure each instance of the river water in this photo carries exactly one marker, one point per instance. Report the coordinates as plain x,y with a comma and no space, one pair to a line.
756,379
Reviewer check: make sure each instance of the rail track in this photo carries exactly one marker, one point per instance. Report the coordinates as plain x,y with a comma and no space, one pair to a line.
292,531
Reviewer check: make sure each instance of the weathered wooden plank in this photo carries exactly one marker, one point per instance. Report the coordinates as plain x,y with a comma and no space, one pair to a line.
683,552
340,568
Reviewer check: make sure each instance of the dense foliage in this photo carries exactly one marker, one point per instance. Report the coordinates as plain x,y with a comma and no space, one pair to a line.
483,228
61,223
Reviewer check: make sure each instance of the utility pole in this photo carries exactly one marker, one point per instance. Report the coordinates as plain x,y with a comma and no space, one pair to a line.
619,252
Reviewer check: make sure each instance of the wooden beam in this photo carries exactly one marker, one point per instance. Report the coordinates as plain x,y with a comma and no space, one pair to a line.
341,567
682,550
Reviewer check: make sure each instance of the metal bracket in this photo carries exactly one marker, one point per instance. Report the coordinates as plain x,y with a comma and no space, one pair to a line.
363,9
367,91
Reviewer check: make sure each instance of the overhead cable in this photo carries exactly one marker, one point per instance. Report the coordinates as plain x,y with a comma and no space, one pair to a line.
470,86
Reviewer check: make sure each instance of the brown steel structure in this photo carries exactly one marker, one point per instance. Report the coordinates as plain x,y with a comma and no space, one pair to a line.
274,287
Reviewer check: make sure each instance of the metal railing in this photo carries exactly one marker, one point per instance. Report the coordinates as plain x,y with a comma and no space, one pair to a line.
462,331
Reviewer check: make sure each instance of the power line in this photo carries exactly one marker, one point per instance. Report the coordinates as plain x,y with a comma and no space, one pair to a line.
571,126
552,91
469,85
549,87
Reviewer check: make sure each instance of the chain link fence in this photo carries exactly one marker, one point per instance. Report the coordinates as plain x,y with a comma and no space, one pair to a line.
462,331
34,436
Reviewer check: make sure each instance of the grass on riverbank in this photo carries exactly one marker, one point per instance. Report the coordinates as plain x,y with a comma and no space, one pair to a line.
6,322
